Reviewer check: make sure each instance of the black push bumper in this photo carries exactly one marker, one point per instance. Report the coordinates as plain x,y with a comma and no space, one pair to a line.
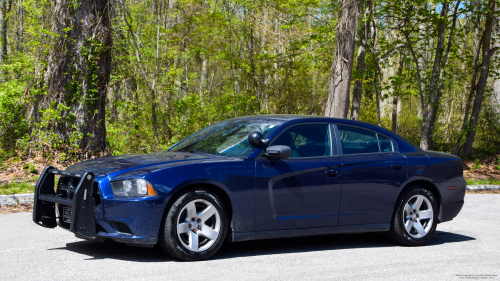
79,198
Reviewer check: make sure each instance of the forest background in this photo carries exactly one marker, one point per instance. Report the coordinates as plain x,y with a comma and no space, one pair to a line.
87,78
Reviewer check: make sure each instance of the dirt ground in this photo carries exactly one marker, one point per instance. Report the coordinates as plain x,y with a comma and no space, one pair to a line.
19,208
482,169
27,170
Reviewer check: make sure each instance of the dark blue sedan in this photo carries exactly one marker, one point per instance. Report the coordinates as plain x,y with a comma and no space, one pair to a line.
257,177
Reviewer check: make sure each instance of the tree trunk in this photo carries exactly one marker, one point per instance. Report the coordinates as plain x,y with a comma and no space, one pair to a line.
360,61
203,75
377,97
396,108
252,67
441,70
78,73
487,53
394,127
341,73
496,82
431,109
20,28
469,100
5,6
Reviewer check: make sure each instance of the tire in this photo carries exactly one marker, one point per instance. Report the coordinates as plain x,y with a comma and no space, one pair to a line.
415,218
195,226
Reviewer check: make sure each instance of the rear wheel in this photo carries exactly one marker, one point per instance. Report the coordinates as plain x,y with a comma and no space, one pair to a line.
195,226
415,220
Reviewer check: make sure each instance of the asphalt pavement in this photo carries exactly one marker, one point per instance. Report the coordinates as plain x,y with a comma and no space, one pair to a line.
466,248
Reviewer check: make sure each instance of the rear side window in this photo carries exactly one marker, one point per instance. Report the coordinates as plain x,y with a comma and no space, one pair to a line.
385,144
357,141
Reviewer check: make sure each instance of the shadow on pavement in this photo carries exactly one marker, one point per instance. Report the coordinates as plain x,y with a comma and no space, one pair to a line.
118,251
324,242
113,250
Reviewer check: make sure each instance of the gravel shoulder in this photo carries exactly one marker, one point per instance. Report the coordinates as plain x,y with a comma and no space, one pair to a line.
468,245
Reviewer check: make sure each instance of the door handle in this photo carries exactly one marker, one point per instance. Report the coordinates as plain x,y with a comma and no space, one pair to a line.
331,173
397,167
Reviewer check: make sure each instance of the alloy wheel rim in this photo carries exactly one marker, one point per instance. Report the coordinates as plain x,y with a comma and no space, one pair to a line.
418,216
198,225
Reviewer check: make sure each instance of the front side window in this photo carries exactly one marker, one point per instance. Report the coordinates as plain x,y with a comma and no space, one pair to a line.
307,140
357,141
228,138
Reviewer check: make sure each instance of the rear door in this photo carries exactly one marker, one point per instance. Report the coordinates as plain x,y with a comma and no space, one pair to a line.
372,174
301,191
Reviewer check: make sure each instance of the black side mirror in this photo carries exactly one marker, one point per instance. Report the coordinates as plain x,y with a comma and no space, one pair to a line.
278,152
256,139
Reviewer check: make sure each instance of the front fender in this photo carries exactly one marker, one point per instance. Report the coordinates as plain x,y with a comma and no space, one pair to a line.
235,178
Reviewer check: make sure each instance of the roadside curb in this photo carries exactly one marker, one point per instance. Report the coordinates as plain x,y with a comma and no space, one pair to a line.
29,198
483,187
15,199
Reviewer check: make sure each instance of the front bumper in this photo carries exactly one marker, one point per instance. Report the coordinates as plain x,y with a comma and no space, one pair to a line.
95,216
80,199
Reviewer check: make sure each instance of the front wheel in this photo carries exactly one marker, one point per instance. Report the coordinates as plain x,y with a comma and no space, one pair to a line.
415,219
195,226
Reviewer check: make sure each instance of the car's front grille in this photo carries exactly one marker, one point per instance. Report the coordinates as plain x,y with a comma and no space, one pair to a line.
66,188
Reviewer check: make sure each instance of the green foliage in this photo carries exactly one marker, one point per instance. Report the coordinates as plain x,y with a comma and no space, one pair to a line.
17,188
30,168
280,67
12,105
490,181
205,61
43,138
476,165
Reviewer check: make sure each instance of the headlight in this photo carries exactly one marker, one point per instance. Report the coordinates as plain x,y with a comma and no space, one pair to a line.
133,188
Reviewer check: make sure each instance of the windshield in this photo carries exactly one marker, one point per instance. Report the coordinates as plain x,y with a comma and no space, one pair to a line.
228,138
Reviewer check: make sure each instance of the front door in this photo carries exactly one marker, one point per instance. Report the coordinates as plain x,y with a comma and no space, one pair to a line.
304,190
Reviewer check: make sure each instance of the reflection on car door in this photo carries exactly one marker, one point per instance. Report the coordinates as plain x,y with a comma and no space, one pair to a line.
304,190
372,174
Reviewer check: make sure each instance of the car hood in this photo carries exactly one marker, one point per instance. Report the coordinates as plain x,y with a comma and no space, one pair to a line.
107,165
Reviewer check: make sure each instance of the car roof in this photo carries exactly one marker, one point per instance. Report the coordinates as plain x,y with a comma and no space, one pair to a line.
282,117
295,118
289,119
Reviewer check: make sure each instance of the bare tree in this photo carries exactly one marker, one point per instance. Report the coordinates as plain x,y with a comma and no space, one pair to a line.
396,96
341,73
430,105
487,53
360,60
5,6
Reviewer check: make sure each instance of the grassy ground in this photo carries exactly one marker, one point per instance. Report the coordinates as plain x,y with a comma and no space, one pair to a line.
17,188
483,182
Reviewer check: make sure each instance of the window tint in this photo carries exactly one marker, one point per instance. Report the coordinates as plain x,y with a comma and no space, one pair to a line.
228,138
356,141
385,144
307,140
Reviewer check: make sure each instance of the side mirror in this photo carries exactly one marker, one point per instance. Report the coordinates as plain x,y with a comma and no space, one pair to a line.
256,139
278,152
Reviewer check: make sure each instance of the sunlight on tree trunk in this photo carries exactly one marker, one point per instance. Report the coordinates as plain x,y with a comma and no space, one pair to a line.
341,73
